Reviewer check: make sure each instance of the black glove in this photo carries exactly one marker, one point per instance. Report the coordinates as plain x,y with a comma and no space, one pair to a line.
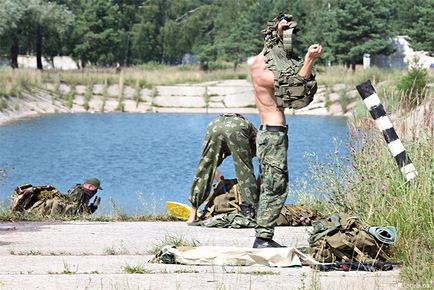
94,205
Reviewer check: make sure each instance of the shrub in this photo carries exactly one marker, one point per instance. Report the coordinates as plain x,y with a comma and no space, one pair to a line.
413,85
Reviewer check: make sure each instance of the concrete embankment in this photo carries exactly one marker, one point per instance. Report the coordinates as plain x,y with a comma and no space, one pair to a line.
211,97
94,255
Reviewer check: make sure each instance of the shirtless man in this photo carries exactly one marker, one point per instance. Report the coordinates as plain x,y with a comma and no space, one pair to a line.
272,139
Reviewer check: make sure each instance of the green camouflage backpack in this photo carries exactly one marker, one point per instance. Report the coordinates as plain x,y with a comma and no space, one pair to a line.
225,198
44,200
342,238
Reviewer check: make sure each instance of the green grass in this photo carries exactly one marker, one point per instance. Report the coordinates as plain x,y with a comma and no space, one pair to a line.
137,269
177,241
368,183
186,271
26,253
259,272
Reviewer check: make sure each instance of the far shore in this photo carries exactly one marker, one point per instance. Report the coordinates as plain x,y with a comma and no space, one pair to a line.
227,96
15,116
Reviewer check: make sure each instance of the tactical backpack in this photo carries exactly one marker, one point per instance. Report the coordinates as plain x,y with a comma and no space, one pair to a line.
44,200
342,238
225,198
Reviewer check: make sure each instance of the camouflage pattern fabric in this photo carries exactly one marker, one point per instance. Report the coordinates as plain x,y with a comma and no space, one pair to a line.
229,134
290,89
46,201
272,150
342,238
234,220
224,209
225,198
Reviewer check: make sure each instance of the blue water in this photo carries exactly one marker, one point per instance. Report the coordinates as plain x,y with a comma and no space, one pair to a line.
142,160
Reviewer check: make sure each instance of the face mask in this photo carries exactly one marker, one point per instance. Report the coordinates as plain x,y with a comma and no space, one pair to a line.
89,193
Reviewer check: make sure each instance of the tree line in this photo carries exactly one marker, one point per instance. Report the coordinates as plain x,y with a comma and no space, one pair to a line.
131,32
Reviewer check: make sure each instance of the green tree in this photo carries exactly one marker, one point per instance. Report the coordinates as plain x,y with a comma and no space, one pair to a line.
47,23
129,15
244,38
422,32
415,19
34,20
97,33
11,19
361,27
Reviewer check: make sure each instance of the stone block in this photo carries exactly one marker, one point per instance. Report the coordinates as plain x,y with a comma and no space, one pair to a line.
177,101
240,100
180,91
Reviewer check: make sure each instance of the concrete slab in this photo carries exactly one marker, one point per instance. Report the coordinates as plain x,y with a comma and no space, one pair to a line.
240,100
95,103
179,101
230,90
129,92
76,255
98,89
181,90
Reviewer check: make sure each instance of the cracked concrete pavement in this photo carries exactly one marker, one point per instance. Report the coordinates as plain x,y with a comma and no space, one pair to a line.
93,255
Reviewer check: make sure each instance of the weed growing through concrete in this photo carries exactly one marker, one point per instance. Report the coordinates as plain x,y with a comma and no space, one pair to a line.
259,272
176,241
26,253
67,269
180,271
137,269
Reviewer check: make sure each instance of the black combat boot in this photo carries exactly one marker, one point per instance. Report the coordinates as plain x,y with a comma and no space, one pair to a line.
266,243
248,210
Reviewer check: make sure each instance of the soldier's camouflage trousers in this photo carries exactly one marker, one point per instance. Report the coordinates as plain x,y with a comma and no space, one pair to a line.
272,150
229,134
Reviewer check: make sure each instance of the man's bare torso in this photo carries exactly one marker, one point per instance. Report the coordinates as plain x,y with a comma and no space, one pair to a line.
263,82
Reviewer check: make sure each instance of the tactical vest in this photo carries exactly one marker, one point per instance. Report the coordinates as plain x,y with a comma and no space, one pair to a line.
342,238
290,89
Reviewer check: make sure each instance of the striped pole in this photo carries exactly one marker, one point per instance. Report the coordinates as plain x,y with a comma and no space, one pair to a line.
372,101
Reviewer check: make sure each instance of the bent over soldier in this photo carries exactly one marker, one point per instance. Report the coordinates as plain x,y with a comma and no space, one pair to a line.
229,134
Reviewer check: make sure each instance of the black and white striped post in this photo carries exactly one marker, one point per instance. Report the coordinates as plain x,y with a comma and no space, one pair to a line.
372,101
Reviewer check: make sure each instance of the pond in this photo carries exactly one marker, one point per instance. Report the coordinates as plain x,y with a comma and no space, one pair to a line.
142,160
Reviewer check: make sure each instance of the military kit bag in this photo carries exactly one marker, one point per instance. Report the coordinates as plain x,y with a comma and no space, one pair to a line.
45,200
342,238
225,198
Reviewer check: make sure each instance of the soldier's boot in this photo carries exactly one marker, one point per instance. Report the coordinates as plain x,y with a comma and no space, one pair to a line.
266,243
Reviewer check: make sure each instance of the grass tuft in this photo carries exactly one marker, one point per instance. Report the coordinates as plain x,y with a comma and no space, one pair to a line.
137,269
177,241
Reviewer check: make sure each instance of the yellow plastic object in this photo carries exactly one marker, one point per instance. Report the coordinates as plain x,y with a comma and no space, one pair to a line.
178,210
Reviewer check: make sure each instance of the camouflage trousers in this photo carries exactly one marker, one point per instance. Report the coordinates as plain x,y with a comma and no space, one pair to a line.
272,148
229,134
